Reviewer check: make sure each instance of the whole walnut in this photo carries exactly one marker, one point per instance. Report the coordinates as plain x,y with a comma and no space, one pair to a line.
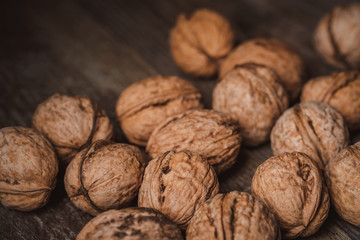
337,36
292,186
71,124
104,176
233,215
177,183
28,168
207,132
313,128
199,41
282,58
342,176
145,104
130,224
252,95
341,90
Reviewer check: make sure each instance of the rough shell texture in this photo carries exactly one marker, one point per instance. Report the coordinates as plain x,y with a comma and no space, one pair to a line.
199,41
145,104
342,176
206,132
177,183
283,59
251,95
313,128
104,176
28,168
292,186
130,224
233,216
341,90
71,124
337,36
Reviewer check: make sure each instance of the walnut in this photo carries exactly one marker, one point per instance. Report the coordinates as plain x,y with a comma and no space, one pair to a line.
283,59
71,124
206,132
104,176
337,35
342,176
251,95
177,183
313,128
292,186
131,224
145,104
233,215
199,41
341,90
28,168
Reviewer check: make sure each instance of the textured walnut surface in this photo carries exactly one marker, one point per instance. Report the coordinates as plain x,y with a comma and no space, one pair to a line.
251,95
145,104
292,186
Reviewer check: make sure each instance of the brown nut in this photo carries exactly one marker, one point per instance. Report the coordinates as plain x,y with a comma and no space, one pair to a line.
199,41
251,95
177,183
205,132
104,176
337,35
71,124
145,104
130,224
292,186
313,128
342,176
233,215
283,59
28,168
341,90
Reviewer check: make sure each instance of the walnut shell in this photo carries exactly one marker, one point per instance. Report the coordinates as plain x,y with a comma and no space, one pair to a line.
104,176
313,128
177,183
282,58
28,168
199,41
145,104
233,215
252,96
292,186
206,132
342,176
71,124
341,90
130,224
337,35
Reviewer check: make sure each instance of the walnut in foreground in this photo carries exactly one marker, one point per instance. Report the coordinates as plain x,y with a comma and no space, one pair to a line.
28,168
292,186
233,216
130,224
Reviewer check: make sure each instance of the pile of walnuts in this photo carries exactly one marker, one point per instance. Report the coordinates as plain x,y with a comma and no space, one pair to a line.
187,146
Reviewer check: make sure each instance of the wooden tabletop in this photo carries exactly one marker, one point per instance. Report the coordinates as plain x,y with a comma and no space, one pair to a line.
98,48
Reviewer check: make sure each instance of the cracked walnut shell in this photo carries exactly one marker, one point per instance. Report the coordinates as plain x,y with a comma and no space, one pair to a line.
206,132
28,168
292,186
313,128
130,224
199,41
251,95
177,183
104,176
233,215
145,104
